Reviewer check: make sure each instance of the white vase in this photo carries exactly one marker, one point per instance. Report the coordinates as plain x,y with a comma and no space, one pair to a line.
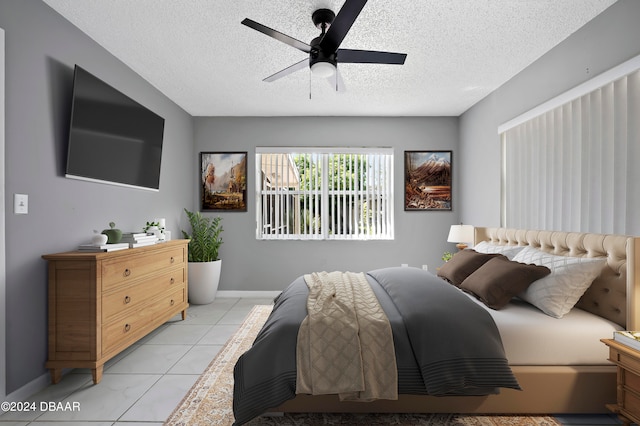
99,239
204,278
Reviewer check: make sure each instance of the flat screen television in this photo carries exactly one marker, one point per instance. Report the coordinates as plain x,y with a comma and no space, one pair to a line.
112,138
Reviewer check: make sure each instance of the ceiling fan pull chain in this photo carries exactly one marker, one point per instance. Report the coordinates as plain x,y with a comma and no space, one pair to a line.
309,86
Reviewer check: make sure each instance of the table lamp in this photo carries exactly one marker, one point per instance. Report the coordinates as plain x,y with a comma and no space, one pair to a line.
461,234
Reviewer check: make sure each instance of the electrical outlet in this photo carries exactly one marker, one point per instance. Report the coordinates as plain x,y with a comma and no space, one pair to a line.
20,203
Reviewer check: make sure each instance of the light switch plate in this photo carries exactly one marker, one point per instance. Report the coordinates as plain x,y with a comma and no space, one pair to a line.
20,203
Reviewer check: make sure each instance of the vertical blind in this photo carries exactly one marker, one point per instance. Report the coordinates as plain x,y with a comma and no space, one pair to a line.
572,168
324,193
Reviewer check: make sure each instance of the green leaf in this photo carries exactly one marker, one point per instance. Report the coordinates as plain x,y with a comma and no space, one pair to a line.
205,237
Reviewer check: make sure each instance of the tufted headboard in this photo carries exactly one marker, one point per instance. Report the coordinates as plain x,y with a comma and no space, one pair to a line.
615,294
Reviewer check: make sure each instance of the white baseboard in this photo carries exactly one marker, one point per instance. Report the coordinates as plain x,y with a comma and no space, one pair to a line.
247,294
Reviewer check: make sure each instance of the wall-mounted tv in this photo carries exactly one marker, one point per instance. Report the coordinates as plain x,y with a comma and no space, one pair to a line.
112,138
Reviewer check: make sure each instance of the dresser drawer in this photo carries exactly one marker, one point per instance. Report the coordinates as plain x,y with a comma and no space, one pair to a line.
624,359
135,325
631,381
134,295
129,268
170,302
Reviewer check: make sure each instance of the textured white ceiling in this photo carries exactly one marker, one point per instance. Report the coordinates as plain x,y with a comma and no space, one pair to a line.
198,54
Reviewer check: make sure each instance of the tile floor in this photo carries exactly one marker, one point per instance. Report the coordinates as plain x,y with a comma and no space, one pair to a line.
142,385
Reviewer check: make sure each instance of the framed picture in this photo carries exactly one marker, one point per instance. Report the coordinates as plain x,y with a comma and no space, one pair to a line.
427,180
223,181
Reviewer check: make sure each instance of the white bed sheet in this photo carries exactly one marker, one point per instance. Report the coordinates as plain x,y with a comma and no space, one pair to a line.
530,337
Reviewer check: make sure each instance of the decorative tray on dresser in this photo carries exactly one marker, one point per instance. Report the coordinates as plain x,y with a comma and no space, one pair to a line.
101,303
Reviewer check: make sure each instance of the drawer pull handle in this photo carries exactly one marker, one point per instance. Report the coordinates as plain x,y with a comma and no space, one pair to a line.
127,327
172,302
172,259
127,299
127,272
172,280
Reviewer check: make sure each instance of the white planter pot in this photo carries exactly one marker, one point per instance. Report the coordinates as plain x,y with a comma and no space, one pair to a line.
204,278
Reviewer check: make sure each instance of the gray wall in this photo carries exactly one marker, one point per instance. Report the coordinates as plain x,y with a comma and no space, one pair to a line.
420,237
41,50
606,41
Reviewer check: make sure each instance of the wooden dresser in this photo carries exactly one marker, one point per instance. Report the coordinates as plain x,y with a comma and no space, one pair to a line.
628,392
101,303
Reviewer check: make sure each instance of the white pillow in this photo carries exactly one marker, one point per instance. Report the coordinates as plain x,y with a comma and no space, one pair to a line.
559,291
491,248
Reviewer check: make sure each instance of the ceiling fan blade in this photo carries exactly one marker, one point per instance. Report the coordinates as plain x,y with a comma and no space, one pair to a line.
289,70
277,35
370,57
341,25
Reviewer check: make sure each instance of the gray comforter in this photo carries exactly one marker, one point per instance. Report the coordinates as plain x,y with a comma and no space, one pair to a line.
445,344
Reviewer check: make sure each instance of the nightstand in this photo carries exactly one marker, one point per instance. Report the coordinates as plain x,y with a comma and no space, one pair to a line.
628,381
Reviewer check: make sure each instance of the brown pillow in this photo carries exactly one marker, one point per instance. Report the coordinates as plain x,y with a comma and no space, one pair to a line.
463,264
499,280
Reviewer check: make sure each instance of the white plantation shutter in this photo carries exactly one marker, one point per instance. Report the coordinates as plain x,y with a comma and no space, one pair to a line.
324,193
569,167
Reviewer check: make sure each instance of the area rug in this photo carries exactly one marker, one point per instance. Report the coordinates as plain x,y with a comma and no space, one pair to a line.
209,402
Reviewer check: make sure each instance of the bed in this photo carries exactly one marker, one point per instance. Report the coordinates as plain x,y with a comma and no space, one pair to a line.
570,375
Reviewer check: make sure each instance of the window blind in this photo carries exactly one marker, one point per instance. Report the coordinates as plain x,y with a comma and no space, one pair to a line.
571,168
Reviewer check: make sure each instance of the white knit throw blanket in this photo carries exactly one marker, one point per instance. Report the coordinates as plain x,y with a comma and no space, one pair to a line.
345,344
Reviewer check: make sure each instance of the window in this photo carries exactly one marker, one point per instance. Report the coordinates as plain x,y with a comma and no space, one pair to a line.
324,193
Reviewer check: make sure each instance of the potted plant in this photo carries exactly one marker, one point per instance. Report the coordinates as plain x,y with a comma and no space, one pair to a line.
204,262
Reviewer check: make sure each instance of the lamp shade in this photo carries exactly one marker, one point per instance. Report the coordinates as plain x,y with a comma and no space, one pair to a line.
323,69
461,234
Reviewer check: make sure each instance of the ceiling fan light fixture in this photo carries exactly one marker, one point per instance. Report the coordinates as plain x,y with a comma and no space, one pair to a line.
323,69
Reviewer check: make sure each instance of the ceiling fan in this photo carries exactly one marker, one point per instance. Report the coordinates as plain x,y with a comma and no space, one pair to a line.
324,51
